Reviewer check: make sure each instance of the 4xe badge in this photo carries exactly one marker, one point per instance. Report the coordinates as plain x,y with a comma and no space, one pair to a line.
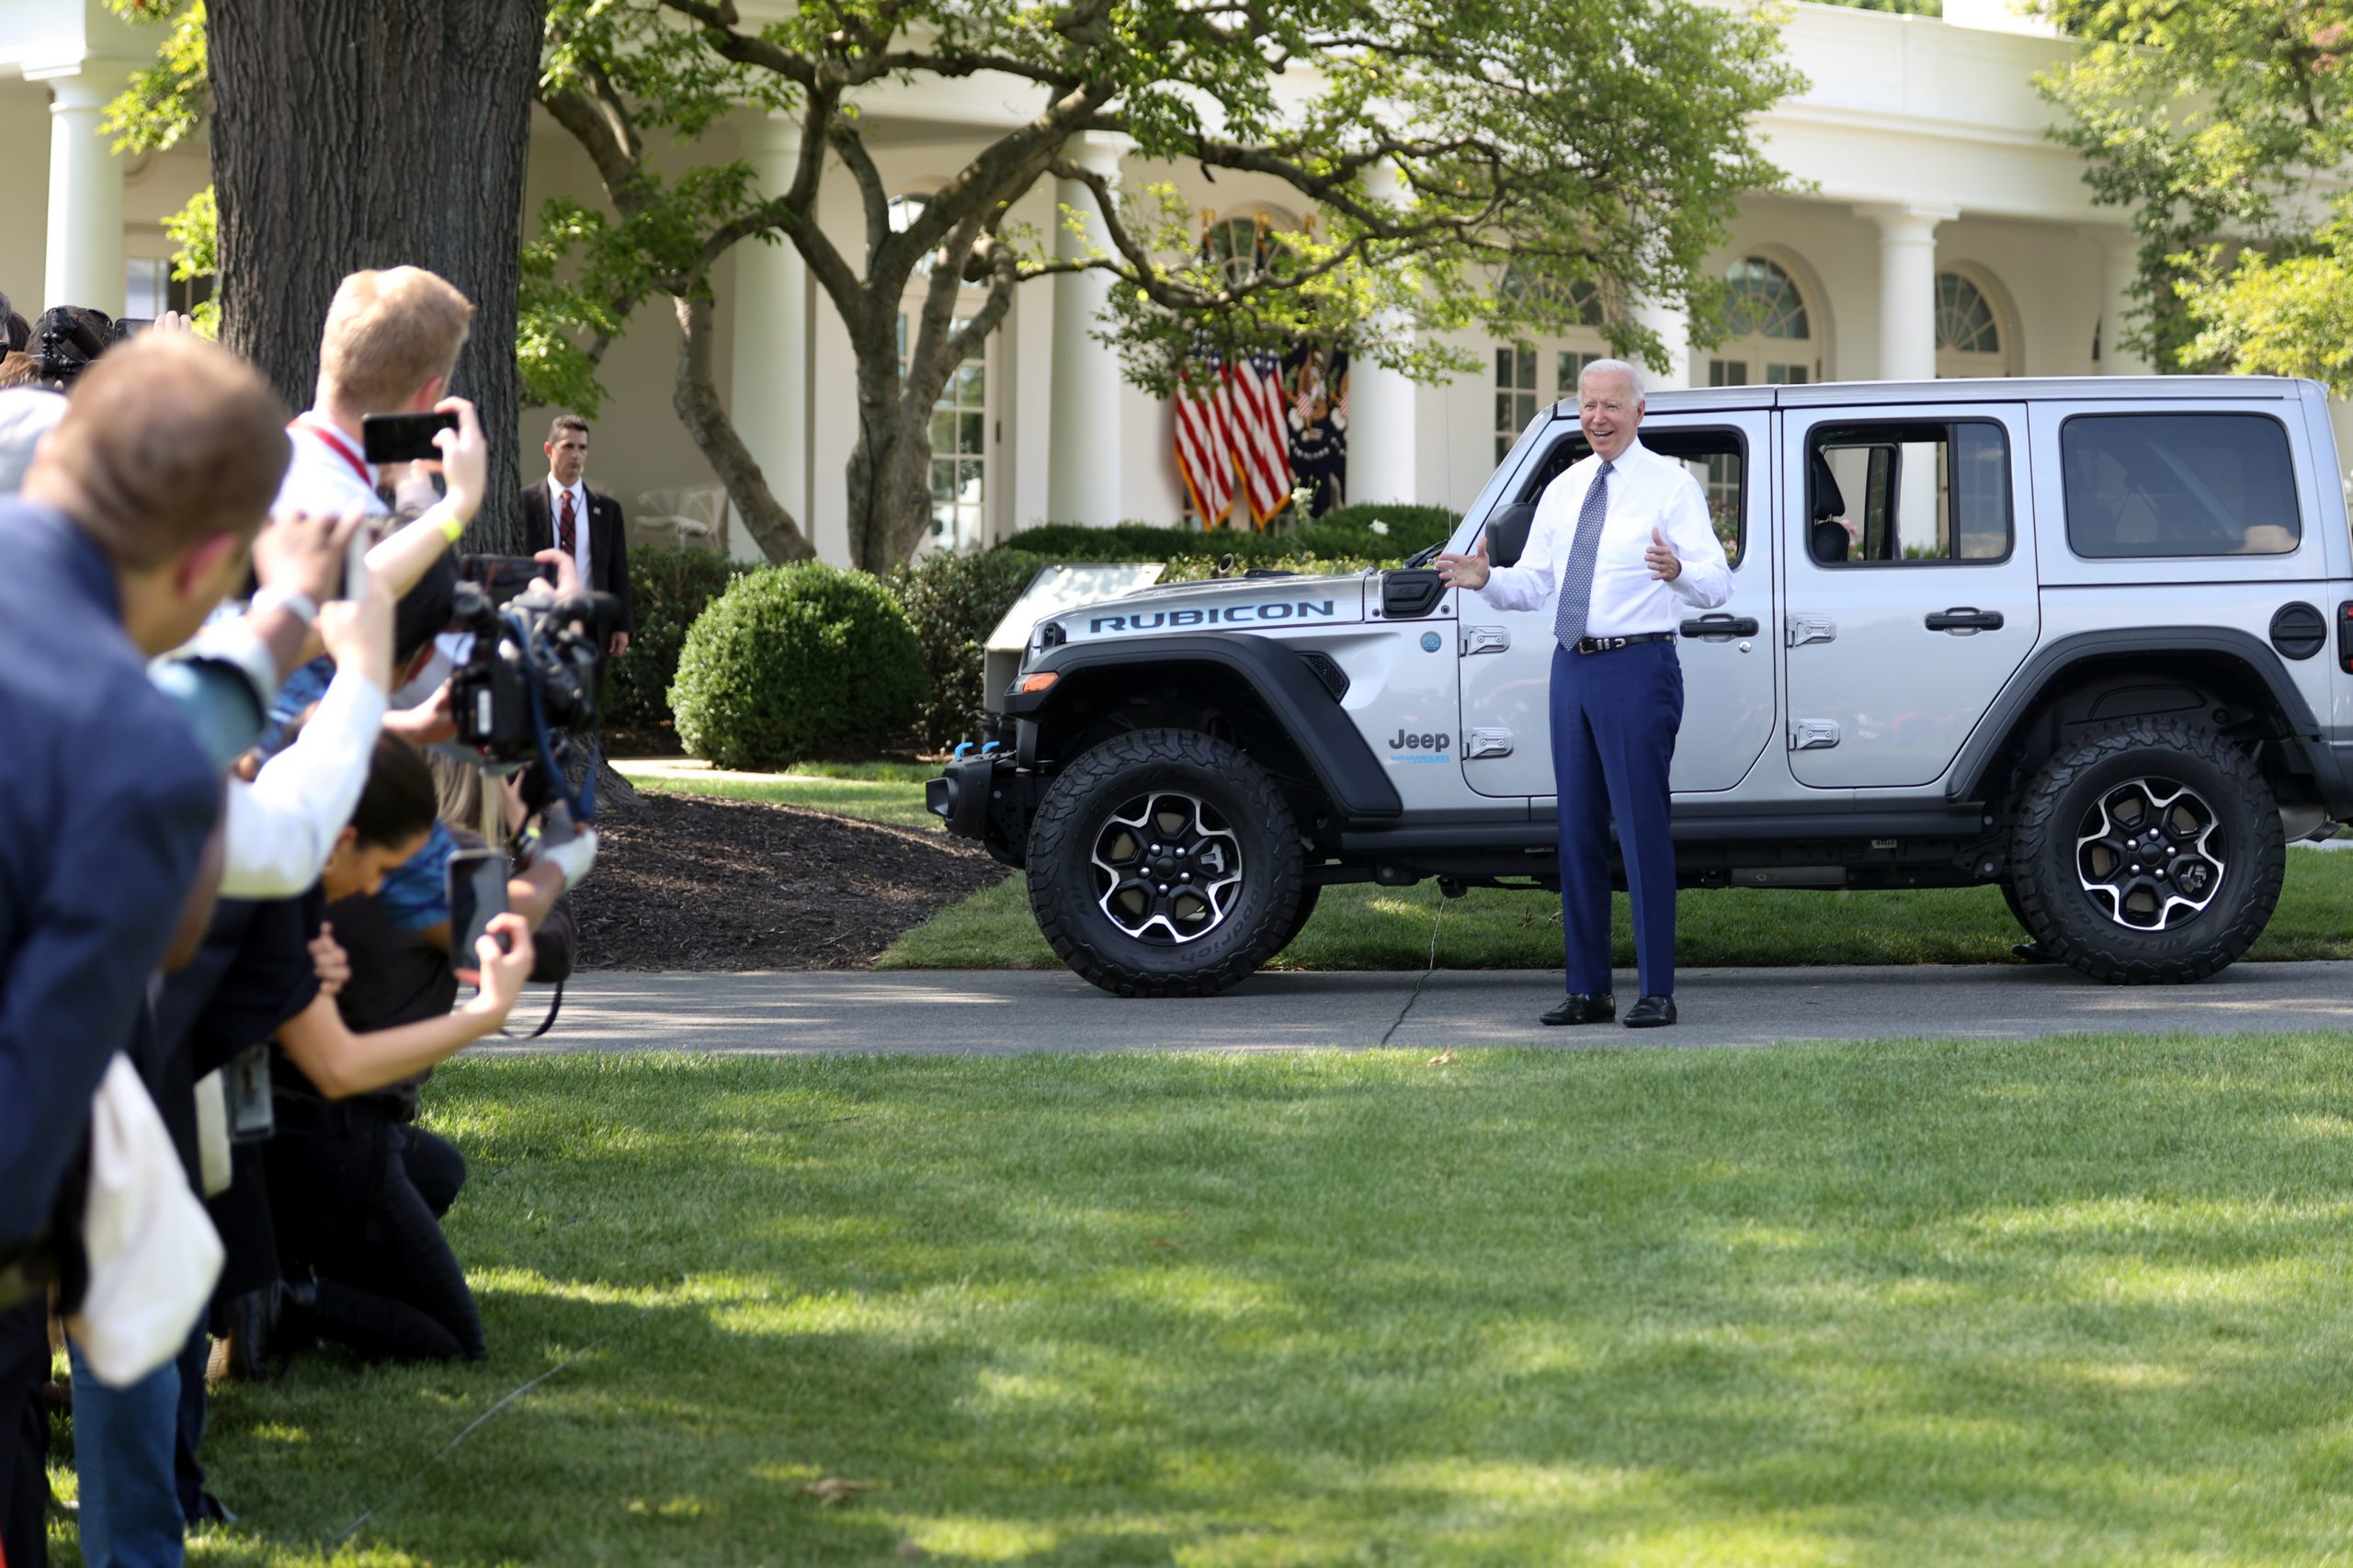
1430,640
1432,747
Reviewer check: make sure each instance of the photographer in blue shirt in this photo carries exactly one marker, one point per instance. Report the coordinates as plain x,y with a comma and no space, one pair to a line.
137,517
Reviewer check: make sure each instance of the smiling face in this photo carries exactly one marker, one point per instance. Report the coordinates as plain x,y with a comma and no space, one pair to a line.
1611,411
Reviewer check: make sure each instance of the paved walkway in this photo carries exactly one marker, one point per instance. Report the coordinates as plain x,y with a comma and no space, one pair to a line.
945,1011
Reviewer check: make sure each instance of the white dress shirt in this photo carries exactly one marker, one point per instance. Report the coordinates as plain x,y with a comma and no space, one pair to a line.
327,473
1646,492
579,522
282,826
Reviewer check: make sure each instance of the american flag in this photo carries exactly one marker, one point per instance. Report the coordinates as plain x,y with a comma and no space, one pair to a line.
1261,436
1204,448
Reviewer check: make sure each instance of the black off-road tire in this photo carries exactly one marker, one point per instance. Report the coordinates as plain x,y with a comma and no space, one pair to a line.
1308,893
1067,894
2065,799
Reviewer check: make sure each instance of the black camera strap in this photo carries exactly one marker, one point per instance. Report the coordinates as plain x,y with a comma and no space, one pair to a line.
555,1005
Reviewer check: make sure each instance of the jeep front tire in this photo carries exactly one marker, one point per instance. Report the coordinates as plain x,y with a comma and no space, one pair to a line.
2150,851
1164,863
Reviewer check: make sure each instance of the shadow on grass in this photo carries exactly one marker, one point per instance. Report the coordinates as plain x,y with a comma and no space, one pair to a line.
2083,1300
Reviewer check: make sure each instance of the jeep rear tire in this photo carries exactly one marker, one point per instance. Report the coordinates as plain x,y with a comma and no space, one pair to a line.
2150,851
1164,863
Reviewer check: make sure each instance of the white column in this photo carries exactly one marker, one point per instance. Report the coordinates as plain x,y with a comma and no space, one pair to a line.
1672,320
2119,300
770,396
1381,414
1082,462
85,263
1907,289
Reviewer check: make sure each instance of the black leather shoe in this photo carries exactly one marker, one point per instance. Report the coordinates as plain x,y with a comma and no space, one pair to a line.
1649,1013
1580,1008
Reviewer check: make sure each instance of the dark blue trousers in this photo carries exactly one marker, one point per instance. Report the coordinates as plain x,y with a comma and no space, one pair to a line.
1614,718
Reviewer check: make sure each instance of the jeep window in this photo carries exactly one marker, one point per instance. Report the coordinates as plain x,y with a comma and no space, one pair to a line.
1717,459
1888,493
2178,484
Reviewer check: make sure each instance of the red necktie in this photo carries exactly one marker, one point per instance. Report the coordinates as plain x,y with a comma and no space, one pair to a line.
564,538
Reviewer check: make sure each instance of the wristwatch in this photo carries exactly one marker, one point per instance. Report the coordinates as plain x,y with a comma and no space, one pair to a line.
302,607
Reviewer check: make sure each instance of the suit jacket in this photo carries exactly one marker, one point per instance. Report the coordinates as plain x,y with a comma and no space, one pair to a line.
106,801
607,542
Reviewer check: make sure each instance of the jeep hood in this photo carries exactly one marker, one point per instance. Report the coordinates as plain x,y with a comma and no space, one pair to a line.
1223,604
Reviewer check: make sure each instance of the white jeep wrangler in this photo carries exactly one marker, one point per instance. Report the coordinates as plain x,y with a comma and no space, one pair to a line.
2091,641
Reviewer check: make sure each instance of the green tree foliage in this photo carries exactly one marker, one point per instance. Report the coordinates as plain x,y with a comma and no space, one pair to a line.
794,660
2211,123
1600,147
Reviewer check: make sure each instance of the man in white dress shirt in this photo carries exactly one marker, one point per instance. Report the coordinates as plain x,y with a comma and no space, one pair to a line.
1621,548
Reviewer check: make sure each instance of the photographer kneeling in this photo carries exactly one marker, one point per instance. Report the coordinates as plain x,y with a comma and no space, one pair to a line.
342,1169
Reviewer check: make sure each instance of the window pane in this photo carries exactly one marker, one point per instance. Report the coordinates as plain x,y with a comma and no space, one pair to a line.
146,289
943,431
969,434
1909,493
2160,485
1524,367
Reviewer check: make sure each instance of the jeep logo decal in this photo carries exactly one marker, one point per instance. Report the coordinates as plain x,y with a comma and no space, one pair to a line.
1403,742
1214,615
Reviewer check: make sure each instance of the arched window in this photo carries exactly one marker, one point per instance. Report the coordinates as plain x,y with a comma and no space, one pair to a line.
1968,330
1533,374
1769,329
1245,246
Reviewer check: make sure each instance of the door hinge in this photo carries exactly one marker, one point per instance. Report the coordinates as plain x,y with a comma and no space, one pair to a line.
1487,742
1812,734
1484,639
1804,629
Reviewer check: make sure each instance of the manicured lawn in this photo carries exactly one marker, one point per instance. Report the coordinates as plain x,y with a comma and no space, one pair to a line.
1369,928
2086,1300
874,792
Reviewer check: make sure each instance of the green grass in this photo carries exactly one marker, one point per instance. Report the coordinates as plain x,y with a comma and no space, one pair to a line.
1368,927
881,797
2083,1300
1362,926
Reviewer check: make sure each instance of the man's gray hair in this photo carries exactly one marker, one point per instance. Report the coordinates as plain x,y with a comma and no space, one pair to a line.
1616,368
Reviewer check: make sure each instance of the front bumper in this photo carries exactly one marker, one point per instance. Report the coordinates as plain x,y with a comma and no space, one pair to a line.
989,798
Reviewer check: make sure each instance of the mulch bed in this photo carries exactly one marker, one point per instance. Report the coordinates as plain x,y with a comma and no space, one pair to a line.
687,882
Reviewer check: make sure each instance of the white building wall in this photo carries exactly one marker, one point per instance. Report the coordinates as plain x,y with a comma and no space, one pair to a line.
1899,110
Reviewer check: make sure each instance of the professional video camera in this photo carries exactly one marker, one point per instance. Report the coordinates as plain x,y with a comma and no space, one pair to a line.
68,338
527,687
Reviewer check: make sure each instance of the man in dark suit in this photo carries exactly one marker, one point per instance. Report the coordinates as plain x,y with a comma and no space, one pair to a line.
562,513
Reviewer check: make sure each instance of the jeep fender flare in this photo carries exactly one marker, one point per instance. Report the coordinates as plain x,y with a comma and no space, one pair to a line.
2034,679
1351,778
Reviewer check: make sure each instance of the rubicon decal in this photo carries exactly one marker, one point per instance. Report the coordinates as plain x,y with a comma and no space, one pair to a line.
1212,614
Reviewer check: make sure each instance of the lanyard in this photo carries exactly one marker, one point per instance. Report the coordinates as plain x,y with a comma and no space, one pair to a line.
335,439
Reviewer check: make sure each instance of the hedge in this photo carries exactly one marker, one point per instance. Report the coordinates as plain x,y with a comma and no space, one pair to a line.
1384,534
669,587
795,661
954,602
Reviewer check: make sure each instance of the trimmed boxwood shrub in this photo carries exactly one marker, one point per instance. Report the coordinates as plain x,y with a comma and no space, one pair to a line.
1350,531
795,660
669,587
954,602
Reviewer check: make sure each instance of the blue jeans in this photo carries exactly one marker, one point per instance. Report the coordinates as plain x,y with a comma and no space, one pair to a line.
122,1458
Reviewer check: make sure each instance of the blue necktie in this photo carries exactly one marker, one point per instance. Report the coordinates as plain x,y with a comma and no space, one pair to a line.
1577,578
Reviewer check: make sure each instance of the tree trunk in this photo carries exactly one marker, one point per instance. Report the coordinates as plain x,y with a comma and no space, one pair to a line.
890,469
368,134
698,402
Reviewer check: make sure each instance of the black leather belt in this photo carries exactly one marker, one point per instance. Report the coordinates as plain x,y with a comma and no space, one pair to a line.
1609,644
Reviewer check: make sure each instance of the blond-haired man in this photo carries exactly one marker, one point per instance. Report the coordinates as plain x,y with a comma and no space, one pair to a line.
391,344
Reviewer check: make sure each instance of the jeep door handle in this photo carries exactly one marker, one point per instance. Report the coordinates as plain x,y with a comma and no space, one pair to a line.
1966,619
1721,626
